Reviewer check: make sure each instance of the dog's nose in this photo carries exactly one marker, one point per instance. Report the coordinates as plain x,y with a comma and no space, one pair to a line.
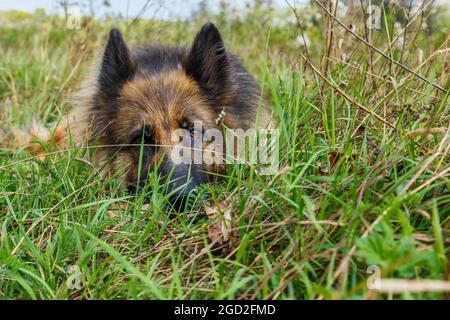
180,190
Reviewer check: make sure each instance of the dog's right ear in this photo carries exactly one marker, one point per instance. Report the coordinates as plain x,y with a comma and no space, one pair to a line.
117,66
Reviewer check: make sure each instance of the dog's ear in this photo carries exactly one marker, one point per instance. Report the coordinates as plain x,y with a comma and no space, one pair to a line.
117,65
207,61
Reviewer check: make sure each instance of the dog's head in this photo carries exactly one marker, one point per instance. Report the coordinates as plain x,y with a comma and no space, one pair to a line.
153,106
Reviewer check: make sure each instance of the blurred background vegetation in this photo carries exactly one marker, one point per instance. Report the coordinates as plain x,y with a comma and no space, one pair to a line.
411,32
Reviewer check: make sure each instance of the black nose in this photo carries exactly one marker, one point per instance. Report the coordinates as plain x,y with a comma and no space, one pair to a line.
181,181
178,182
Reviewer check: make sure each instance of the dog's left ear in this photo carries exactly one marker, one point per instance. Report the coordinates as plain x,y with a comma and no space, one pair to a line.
207,61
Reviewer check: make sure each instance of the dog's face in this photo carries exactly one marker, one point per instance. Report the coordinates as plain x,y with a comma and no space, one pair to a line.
158,119
146,117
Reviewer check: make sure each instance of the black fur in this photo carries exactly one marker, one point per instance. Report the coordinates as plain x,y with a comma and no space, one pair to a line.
219,74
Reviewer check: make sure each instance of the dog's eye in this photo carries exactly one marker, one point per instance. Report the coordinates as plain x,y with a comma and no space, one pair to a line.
186,124
144,136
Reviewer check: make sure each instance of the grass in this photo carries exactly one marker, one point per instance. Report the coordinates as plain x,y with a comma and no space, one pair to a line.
351,192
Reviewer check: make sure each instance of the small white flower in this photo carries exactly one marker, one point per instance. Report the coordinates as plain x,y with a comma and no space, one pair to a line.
416,7
303,41
424,26
283,19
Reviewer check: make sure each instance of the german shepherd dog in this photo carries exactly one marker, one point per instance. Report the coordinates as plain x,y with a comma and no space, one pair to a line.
134,100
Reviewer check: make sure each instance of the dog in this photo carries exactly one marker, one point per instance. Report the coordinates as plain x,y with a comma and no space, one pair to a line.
133,101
